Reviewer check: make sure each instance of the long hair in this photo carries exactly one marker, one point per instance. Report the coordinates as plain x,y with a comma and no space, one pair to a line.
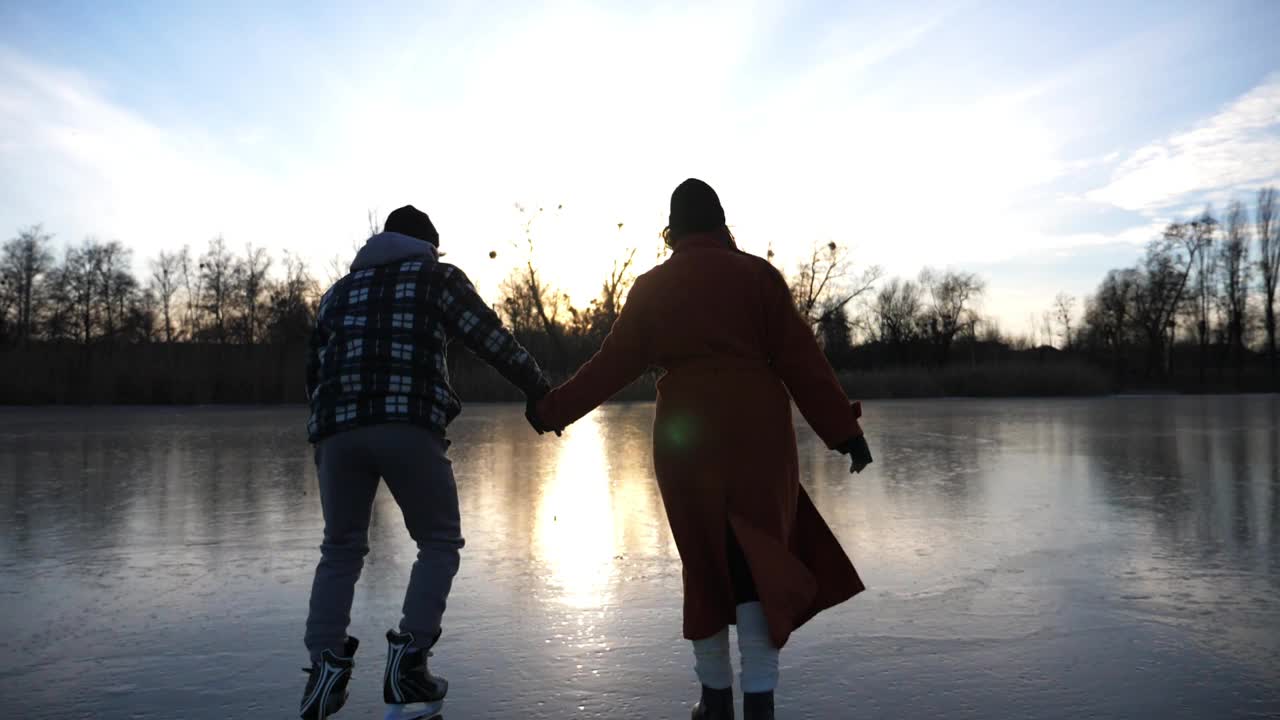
672,237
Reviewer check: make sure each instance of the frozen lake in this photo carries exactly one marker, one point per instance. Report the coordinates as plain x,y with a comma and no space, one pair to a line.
1101,558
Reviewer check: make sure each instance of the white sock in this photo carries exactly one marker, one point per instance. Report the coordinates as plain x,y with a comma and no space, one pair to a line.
759,656
711,660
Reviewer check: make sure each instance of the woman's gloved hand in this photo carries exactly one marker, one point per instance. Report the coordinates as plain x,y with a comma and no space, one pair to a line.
858,452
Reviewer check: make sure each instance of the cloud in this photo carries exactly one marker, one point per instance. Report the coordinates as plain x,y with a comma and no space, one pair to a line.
1237,147
82,164
601,111
576,106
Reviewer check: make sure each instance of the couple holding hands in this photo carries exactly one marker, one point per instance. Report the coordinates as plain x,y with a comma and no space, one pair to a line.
735,353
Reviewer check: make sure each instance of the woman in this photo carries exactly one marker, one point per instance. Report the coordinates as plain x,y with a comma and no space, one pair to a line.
756,552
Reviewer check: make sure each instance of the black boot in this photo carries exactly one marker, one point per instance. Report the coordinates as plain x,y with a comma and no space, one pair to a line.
408,687
714,705
757,706
326,691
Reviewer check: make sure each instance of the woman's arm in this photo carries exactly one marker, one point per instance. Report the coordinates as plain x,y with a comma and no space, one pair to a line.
803,368
623,356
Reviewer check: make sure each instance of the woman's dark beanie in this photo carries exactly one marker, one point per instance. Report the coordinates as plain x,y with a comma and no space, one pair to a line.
695,207
411,221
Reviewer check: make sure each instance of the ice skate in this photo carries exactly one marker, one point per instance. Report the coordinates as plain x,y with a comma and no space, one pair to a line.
326,690
714,705
408,687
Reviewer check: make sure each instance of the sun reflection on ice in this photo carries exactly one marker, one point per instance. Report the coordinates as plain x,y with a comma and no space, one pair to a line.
574,537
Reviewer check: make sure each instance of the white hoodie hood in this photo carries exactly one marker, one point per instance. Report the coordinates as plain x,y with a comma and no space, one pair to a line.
390,247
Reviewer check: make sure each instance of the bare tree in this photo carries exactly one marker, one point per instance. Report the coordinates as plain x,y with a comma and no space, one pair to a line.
1267,224
292,302
60,322
1112,311
81,273
166,278
8,299
121,300
193,293
1162,286
950,295
1064,306
250,275
139,315
834,334
1044,328
824,285
897,314
217,269
612,294
1198,242
1233,261
114,283
24,261
525,292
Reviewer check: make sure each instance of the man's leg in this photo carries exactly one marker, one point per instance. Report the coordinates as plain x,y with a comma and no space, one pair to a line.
413,463
348,484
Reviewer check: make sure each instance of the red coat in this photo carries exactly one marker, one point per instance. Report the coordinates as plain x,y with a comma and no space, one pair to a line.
723,326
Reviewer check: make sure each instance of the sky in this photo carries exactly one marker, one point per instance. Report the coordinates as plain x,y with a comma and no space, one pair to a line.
1038,144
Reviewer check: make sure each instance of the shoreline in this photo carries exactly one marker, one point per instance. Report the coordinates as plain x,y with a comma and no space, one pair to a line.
1126,394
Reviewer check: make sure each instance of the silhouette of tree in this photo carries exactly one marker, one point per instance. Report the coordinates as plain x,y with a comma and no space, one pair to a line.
250,283
823,283
1233,262
192,292
166,279
1164,275
951,293
1198,243
1064,306
24,262
291,304
527,297
898,315
1268,231
604,310
1110,313
217,276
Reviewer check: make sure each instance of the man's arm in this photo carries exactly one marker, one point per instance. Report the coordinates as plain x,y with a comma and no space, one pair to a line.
471,320
314,348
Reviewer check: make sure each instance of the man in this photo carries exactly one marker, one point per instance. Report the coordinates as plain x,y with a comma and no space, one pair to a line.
380,403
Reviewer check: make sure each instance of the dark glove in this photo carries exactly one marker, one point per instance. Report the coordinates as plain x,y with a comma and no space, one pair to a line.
858,452
531,400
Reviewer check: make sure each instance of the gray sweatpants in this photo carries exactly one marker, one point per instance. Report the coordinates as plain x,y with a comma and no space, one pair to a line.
413,463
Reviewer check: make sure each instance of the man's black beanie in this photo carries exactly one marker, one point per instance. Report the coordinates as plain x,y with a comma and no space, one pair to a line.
411,221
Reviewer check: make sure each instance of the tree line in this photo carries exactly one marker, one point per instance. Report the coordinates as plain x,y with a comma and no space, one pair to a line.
1201,297
90,294
919,320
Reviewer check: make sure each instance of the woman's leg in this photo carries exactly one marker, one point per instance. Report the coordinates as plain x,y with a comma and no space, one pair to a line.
711,660
759,658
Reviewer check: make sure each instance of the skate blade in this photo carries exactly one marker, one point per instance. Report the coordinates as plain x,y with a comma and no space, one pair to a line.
415,711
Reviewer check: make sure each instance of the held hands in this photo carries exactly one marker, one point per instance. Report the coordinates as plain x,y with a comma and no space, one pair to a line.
531,412
858,452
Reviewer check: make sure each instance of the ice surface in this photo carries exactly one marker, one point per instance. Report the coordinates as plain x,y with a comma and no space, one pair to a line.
1103,558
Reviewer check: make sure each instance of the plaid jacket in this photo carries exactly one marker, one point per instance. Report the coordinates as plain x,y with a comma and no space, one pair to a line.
378,349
